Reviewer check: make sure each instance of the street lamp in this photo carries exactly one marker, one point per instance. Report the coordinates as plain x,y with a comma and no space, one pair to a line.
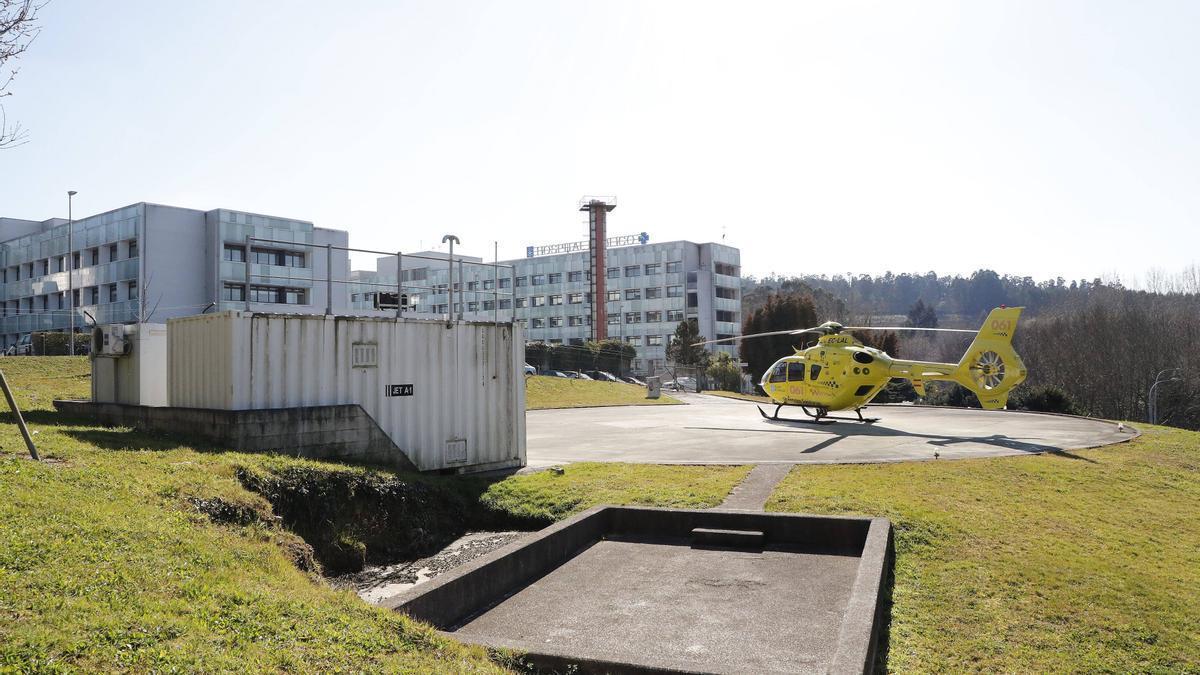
71,263
1152,396
450,308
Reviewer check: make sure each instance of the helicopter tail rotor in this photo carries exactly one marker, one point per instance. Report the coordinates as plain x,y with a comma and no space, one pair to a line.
991,367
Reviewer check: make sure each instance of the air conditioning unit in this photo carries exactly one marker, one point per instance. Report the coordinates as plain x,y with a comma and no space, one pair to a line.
110,340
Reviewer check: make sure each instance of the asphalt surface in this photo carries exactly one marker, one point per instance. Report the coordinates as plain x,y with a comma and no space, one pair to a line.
701,610
716,430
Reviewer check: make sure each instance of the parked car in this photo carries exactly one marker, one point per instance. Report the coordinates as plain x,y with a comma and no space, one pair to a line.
633,380
530,370
603,376
23,347
576,375
557,373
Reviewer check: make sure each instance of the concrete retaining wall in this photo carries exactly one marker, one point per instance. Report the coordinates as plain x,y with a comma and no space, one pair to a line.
337,432
455,598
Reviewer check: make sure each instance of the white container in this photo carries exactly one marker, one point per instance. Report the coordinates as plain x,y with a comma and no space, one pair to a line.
449,397
138,376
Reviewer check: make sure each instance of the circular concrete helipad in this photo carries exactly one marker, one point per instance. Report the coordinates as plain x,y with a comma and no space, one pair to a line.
715,430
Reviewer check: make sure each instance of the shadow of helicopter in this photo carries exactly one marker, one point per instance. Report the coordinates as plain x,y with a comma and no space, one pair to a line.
839,432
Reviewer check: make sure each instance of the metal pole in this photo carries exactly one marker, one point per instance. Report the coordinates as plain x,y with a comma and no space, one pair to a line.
462,291
450,270
246,255
1152,395
70,277
12,404
496,311
328,279
399,284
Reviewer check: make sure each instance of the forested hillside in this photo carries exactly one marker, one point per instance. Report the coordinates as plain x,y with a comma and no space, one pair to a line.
860,296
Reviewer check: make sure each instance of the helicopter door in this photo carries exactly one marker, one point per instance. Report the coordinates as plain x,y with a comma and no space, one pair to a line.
795,373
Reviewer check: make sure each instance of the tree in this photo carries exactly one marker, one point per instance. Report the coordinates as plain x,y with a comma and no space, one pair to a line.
921,315
18,27
683,350
612,355
725,373
780,312
984,292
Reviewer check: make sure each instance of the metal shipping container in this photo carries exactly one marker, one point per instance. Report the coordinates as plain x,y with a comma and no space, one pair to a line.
449,396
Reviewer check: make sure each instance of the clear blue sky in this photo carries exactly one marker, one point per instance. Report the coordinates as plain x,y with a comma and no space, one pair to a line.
1035,138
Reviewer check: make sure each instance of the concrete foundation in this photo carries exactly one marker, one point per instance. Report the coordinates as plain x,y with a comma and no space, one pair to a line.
336,432
637,590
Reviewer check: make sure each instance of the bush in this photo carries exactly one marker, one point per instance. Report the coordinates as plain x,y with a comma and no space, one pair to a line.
725,373
57,344
896,391
1044,398
950,394
613,356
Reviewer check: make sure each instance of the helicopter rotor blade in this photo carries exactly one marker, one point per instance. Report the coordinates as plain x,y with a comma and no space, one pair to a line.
738,338
939,330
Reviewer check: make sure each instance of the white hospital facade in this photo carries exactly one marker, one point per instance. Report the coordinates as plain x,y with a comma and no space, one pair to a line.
152,262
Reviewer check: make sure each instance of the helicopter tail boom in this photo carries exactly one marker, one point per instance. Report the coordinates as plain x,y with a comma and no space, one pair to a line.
991,367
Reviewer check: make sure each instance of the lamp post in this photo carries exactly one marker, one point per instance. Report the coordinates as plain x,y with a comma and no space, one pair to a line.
450,308
1152,396
70,264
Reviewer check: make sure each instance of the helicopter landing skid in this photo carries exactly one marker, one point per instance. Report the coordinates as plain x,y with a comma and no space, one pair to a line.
818,417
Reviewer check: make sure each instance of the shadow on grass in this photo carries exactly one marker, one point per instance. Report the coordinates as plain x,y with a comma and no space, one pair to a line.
356,518
883,647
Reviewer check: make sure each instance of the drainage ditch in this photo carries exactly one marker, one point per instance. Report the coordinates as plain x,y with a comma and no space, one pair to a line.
380,533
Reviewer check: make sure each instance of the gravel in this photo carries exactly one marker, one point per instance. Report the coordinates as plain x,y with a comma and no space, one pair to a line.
377,583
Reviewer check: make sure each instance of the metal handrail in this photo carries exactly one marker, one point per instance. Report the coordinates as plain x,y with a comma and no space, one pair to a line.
400,285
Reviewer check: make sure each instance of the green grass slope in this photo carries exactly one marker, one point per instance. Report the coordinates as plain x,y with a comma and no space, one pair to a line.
542,392
111,559
1084,562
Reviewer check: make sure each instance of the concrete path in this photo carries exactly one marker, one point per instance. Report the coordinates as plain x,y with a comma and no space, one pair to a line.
715,430
752,493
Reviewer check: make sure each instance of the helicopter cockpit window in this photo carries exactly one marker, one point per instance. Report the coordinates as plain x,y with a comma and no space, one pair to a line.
814,372
779,373
795,371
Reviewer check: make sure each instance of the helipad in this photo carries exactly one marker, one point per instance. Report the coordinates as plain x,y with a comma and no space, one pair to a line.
714,430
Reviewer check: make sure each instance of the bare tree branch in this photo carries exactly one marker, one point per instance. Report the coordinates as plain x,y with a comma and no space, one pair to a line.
18,28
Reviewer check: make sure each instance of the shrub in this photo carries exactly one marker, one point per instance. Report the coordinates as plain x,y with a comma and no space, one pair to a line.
56,344
725,373
1043,398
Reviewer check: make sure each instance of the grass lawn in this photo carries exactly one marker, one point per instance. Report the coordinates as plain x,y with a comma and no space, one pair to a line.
1088,561
542,392
107,563
581,486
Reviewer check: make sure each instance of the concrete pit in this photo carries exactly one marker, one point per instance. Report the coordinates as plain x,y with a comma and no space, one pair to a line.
620,589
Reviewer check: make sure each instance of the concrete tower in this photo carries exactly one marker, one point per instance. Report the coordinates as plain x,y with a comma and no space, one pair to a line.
598,208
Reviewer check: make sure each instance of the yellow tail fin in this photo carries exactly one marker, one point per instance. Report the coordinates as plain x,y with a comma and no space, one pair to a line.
991,367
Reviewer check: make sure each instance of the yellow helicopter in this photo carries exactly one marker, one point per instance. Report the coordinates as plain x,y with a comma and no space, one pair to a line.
840,373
